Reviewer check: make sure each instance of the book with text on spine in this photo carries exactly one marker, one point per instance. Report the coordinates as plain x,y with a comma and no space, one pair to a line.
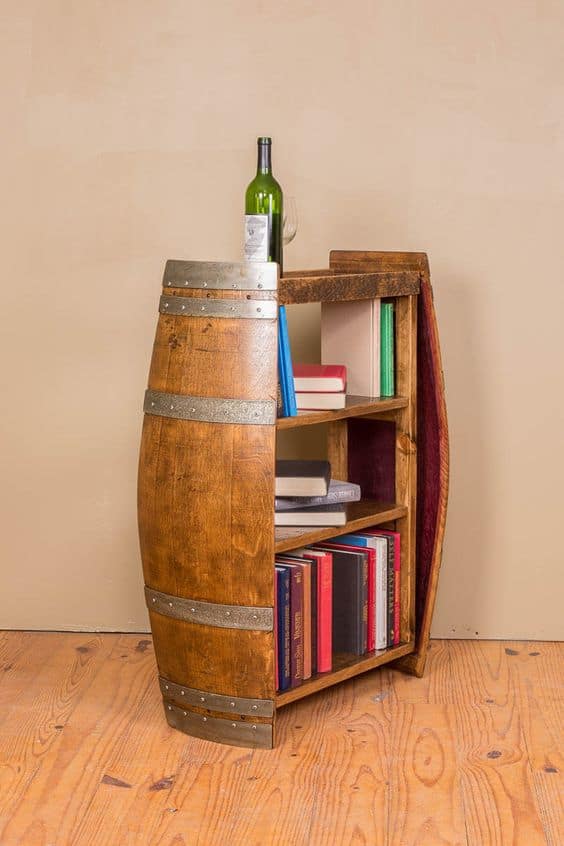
338,492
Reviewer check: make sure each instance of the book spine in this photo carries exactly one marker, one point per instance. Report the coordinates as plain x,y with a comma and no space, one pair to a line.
283,610
314,593
296,626
363,639
390,592
387,350
282,381
371,621
287,356
276,629
381,591
324,613
306,575
397,593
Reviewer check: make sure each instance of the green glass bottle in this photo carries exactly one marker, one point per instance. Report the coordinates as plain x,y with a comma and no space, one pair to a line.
263,211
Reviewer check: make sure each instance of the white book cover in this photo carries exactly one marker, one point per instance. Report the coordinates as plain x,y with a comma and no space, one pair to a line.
381,592
350,335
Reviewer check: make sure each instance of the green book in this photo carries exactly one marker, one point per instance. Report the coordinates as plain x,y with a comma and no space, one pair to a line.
387,387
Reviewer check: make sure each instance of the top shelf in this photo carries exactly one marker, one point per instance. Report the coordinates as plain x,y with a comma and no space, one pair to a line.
314,286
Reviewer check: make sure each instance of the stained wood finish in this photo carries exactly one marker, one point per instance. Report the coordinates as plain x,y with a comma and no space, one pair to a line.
355,407
432,437
360,515
340,286
471,754
205,496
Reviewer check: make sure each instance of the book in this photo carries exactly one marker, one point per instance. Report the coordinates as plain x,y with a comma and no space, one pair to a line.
371,590
282,643
296,623
302,477
380,545
285,365
317,515
396,537
318,401
307,617
350,600
338,492
320,377
350,335
324,560
387,350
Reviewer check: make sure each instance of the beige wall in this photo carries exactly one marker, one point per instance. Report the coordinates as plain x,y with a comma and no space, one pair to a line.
129,137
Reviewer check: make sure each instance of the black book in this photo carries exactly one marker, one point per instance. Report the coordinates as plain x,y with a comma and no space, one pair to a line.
297,477
350,600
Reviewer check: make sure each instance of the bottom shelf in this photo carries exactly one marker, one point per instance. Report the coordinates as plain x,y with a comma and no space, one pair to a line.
345,668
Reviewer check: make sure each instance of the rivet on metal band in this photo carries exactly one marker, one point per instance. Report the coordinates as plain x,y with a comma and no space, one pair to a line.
216,701
199,307
251,617
210,409
215,275
236,733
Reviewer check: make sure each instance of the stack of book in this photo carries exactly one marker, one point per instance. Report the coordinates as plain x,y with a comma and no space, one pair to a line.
307,496
320,386
335,600
360,335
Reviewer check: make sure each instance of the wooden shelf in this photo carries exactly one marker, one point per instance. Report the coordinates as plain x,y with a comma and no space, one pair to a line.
345,668
355,407
334,286
360,515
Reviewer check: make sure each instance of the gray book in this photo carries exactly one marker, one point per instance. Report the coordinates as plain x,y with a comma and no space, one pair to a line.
338,492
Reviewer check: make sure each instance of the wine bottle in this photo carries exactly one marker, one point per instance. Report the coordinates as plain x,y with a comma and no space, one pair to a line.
263,211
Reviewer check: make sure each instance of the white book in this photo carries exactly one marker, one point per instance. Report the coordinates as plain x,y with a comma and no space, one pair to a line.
350,335
316,401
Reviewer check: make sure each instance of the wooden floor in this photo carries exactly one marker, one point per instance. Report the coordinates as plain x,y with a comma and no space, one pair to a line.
471,754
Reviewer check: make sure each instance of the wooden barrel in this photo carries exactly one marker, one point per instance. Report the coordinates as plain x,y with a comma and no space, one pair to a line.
206,477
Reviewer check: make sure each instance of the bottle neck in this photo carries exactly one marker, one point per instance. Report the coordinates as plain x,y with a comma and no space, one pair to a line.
264,161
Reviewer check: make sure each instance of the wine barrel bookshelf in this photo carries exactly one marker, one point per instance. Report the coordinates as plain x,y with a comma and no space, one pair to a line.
206,481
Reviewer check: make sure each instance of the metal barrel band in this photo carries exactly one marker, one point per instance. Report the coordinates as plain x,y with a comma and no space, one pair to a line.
216,701
250,617
200,307
243,276
234,732
210,409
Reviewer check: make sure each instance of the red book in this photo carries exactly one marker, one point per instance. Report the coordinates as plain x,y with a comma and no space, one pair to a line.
324,606
276,629
320,377
397,576
371,617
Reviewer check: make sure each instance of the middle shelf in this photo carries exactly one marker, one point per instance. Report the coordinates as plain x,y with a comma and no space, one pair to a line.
360,515
355,407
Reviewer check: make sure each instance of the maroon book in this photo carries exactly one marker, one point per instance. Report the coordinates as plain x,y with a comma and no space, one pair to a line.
296,623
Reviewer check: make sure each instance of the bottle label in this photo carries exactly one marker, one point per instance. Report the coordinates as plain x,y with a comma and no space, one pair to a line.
256,237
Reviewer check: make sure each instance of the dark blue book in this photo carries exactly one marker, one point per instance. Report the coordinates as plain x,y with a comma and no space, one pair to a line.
287,373
283,626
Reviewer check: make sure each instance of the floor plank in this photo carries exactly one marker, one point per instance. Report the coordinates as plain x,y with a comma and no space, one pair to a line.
470,755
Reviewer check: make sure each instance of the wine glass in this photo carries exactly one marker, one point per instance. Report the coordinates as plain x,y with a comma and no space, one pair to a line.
290,220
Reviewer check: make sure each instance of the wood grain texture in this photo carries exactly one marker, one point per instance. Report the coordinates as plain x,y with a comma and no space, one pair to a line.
360,515
86,758
431,509
340,285
355,407
338,449
205,491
